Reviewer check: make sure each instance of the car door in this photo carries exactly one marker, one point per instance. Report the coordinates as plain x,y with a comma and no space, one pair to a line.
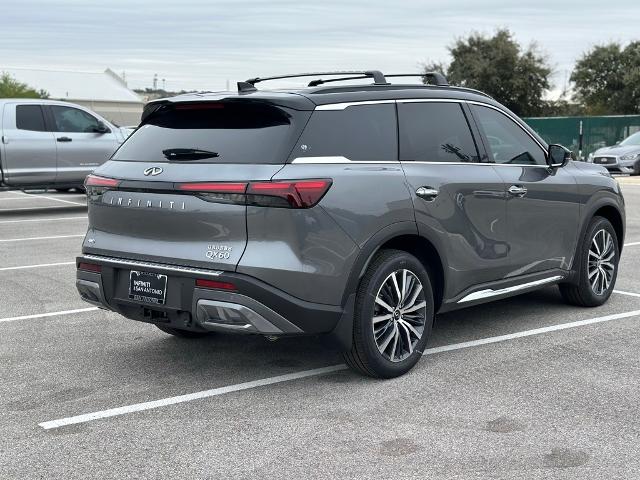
29,148
457,198
81,145
542,206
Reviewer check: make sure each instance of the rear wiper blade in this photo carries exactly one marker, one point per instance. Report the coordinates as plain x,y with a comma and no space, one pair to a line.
188,154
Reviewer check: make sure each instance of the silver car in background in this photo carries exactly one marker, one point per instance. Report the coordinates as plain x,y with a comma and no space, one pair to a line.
52,144
623,157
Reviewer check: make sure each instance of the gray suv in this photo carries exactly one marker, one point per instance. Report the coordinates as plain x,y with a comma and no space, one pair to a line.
358,211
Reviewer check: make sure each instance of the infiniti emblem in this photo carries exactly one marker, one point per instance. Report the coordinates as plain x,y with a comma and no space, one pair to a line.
153,171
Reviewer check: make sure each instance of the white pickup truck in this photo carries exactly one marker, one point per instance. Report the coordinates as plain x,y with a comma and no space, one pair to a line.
52,144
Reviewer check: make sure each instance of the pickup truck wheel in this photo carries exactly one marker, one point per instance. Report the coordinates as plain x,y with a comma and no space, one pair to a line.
597,266
393,316
176,332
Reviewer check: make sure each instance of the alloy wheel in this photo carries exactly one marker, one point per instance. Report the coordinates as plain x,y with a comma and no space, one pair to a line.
399,315
601,262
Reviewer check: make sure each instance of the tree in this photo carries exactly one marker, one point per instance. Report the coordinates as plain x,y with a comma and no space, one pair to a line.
607,79
11,88
498,66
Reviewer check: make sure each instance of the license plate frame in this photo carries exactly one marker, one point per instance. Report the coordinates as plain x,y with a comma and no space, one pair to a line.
150,288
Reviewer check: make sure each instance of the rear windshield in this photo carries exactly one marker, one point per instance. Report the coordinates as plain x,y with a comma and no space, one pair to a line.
231,132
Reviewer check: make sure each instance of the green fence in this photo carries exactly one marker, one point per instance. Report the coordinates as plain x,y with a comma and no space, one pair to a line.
597,131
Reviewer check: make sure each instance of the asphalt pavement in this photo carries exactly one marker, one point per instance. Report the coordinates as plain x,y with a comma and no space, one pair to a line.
527,387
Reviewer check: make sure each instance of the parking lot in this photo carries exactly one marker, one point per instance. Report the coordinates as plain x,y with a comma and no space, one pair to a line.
522,388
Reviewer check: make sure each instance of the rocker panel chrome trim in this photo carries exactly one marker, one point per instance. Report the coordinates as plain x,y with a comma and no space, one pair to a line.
489,292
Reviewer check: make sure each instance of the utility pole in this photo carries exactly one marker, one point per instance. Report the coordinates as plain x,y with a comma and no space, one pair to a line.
164,84
155,81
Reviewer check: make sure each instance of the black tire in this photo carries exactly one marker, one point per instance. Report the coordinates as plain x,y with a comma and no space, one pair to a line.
62,190
582,294
365,356
177,332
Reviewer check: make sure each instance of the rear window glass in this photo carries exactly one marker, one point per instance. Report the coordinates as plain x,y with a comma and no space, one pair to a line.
232,132
29,117
359,133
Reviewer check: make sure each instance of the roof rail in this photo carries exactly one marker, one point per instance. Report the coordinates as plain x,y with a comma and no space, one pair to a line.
437,78
378,77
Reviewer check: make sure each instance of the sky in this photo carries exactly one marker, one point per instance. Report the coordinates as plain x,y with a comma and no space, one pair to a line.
202,45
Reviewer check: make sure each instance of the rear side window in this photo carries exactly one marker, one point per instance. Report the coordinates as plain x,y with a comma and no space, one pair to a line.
435,132
30,117
218,132
358,133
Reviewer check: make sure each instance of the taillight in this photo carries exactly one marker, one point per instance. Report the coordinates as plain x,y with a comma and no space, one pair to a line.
294,193
213,187
89,267
285,194
96,181
214,284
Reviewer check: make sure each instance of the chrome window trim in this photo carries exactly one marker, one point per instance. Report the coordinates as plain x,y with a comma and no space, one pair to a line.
162,266
345,105
489,292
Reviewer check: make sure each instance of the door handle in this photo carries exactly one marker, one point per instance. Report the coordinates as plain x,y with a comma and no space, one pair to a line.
427,193
64,139
517,190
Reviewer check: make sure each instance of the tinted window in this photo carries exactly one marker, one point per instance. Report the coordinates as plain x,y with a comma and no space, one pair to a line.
68,119
435,132
359,133
236,132
508,142
30,117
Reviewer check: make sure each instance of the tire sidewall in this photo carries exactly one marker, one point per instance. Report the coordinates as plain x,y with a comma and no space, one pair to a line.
364,314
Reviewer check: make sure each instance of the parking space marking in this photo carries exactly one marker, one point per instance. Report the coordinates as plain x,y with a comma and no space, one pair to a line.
14,198
40,238
41,265
138,407
632,244
50,314
631,294
56,219
61,200
27,209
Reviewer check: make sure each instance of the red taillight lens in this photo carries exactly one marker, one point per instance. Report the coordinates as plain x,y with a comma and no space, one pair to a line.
297,193
89,267
213,187
96,181
204,283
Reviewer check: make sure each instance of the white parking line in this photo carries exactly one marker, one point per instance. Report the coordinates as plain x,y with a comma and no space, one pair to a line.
56,219
50,314
61,200
14,198
631,294
632,244
24,267
40,238
138,407
27,209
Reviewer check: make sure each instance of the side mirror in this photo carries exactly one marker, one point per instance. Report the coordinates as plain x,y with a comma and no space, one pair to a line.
558,156
101,128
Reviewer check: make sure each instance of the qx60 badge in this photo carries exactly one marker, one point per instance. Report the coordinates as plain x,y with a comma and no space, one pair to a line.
153,171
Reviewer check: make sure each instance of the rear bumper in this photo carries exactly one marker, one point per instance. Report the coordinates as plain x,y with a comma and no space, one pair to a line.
254,307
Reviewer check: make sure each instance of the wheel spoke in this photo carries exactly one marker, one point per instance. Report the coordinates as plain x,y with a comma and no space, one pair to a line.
417,289
395,285
396,337
384,304
406,331
415,307
381,318
407,325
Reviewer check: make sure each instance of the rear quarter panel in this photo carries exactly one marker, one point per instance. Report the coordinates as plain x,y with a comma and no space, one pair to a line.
310,253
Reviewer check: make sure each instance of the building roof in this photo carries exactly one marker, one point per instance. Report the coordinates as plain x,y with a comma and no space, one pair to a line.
79,86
